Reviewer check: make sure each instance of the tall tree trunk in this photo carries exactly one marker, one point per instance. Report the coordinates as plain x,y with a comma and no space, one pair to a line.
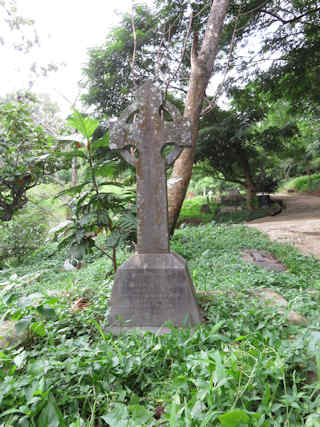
202,62
251,190
74,182
74,177
251,195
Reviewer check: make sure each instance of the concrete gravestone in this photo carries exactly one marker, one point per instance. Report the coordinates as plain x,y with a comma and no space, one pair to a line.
154,285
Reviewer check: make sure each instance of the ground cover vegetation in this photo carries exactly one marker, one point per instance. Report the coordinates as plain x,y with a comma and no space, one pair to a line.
245,365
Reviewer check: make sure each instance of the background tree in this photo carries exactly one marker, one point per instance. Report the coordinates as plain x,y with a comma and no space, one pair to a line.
242,148
108,74
177,43
168,40
26,156
19,31
286,53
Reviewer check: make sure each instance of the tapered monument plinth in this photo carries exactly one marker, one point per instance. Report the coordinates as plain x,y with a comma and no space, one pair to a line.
150,290
154,286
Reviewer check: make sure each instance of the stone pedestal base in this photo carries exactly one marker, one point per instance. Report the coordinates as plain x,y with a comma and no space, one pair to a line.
151,289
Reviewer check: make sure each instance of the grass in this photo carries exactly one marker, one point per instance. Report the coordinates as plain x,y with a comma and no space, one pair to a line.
244,366
303,183
191,211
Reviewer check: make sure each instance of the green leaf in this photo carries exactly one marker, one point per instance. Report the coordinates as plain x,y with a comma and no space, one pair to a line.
23,325
68,155
72,190
235,418
140,414
11,411
101,142
220,374
39,329
7,299
47,312
313,420
174,410
85,125
117,417
50,416
113,240
106,171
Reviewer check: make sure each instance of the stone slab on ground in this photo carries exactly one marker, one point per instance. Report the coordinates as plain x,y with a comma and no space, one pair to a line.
271,298
262,259
274,299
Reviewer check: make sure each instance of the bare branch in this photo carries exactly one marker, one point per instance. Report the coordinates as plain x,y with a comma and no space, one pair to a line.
133,61
288,21
175,73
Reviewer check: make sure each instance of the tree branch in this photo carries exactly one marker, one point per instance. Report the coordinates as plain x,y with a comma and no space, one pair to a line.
182,56
288,21
133,61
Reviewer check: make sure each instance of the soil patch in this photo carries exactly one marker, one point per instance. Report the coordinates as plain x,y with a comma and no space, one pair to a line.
298,224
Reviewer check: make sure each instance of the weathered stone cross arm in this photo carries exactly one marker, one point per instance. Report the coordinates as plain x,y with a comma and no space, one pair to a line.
148,102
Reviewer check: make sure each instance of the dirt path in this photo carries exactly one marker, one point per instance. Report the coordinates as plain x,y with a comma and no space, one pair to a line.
298,224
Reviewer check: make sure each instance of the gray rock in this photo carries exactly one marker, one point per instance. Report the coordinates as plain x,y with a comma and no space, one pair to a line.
205,209
274,299
9,336
262,259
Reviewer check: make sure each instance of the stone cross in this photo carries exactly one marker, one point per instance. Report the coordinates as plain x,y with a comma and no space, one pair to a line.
154,286
149,133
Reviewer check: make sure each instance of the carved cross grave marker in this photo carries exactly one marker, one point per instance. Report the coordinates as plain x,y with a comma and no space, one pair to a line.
154,286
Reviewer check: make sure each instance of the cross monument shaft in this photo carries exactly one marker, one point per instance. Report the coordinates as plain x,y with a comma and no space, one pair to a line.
149,133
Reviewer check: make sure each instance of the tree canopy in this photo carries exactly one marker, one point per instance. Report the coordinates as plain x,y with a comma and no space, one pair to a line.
239,151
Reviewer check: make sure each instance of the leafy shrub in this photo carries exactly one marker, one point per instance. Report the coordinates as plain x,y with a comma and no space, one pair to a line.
303,183
191,209
21,236
266,183
97,205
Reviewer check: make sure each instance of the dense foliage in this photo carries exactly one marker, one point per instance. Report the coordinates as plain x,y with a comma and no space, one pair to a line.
245,363
26,156
238,150
98,205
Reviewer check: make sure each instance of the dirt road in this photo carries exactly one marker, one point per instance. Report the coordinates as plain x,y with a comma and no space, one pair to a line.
298,224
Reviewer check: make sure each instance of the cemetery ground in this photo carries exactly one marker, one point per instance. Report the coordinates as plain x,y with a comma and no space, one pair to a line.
247,364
